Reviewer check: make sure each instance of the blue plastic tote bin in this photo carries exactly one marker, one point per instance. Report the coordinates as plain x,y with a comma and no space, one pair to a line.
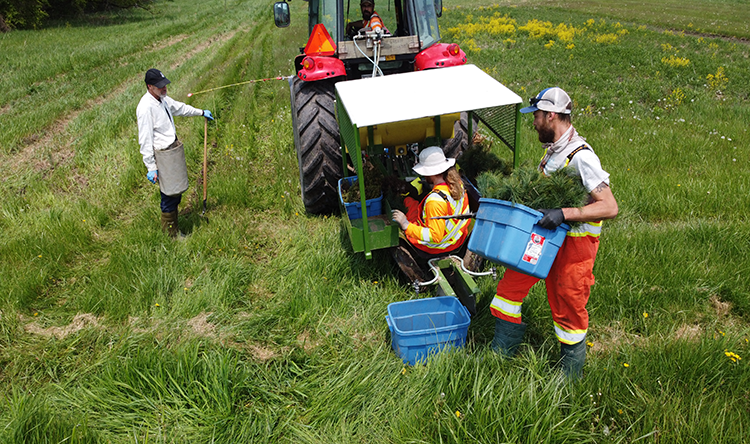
507,233
354,209
423,327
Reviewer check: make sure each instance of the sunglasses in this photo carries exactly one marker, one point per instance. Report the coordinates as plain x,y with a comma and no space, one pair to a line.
534,100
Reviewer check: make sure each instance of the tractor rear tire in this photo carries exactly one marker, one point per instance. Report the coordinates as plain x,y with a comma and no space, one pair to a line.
460,142
317,142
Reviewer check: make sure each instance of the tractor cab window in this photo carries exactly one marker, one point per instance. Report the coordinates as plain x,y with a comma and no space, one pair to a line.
325,12
424,21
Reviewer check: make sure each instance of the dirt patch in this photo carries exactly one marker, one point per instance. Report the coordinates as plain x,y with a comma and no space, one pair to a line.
79,322
260,353
688,332
721,308
201,326
305,342
610,338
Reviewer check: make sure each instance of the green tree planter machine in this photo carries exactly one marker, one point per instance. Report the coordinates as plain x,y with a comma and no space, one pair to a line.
388,120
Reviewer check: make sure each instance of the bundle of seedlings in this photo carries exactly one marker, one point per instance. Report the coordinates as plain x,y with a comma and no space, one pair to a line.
527,186
479,158
373,185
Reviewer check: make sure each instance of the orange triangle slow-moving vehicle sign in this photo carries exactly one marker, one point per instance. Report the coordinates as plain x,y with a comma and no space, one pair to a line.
320,42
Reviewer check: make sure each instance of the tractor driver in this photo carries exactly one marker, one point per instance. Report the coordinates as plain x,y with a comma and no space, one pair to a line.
436,237
370,20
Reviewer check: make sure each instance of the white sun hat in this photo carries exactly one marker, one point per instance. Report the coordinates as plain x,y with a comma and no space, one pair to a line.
432,161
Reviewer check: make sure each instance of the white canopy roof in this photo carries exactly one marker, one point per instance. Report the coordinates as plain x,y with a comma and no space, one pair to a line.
413,95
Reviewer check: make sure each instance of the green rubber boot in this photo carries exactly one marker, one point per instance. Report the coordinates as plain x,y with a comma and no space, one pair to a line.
169,224
508,337
572,358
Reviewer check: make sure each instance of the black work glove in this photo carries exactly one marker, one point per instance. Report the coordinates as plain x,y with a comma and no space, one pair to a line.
552,218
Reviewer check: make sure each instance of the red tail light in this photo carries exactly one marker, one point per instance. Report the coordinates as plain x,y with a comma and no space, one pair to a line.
308,63
453,49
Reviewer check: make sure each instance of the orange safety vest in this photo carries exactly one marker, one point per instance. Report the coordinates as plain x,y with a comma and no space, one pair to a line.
437,236
374,23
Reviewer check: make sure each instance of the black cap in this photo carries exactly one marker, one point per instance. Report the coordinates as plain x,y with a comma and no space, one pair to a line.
156,78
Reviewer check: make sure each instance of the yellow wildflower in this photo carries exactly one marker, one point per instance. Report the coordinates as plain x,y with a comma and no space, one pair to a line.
606,39
675,62
733,356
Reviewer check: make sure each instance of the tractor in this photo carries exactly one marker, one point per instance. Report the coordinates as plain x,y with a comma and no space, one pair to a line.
330,56
376,101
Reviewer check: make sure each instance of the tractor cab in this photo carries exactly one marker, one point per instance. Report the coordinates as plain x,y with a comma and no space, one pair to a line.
411,29
375,135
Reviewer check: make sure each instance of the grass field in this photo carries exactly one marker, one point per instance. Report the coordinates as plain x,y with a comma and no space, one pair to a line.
263,326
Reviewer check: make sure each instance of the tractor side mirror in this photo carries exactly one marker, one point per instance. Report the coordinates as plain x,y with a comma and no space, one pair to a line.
281,14
439,8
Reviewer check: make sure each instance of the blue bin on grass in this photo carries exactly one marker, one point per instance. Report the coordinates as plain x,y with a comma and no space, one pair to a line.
354,209
508,234
422,327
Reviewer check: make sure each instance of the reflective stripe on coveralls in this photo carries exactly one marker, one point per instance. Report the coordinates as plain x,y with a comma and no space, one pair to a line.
593,229
569,336
510,309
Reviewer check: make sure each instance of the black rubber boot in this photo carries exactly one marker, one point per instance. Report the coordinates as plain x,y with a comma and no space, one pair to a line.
572,358
508,337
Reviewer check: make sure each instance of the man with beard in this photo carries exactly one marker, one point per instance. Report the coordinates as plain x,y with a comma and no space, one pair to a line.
570,279
370,20
156,133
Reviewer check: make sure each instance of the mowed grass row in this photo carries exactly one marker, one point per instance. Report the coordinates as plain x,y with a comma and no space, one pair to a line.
263,326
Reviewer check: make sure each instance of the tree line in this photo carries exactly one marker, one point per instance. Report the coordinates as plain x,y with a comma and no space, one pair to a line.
34,14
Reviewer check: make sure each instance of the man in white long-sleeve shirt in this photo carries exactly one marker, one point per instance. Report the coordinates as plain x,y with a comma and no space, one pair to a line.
156,131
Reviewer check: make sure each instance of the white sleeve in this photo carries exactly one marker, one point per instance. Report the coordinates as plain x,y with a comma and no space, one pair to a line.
588,165
182,109
146,136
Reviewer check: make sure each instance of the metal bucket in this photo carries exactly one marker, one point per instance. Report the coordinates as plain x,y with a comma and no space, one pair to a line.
173,177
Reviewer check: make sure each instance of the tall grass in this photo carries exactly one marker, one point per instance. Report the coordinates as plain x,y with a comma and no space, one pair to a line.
264,326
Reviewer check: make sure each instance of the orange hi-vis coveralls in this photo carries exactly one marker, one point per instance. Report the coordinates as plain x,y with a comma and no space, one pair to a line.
437,236
571,276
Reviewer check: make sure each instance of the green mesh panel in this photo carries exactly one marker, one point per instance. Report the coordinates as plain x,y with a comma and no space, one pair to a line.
501,120
349,136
